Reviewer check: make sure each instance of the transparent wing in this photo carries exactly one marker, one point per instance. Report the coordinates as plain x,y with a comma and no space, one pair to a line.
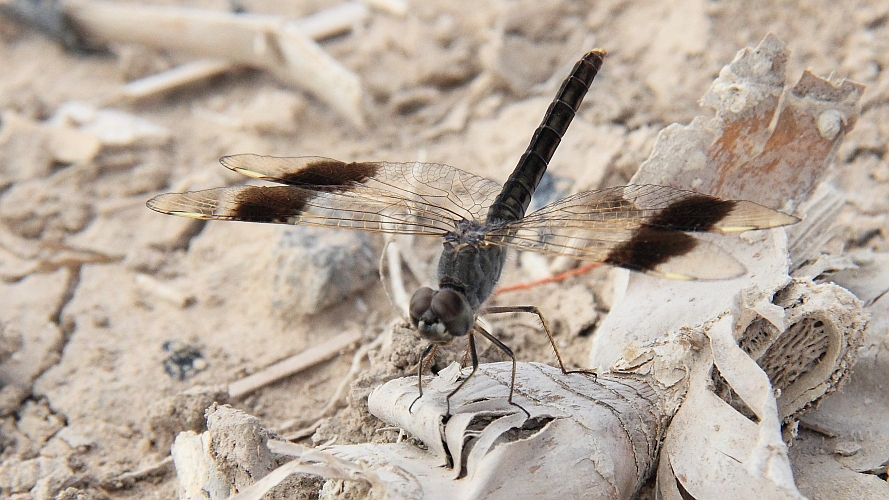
417,198
644,228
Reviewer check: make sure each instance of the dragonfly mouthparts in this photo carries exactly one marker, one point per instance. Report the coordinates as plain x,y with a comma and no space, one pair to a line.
441,315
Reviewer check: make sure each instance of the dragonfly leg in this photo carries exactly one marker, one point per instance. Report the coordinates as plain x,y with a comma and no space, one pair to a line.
465,357
428,352
474,357
549,335
532,310
505,348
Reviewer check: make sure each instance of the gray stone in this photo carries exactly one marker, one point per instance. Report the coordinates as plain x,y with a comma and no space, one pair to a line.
317,267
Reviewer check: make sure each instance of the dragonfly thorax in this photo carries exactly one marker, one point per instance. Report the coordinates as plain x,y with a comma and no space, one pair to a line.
466,232
441,315
469,266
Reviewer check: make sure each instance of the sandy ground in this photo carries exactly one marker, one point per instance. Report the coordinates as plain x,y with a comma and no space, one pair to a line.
97,292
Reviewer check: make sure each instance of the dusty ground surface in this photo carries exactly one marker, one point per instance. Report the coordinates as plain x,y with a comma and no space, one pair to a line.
85,332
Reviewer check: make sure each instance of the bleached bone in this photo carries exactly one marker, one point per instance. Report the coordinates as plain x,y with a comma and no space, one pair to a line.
585,438
773,145
267,42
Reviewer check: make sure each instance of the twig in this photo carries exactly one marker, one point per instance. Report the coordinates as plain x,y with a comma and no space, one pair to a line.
293,364
396,279
304,432
337,397
127,479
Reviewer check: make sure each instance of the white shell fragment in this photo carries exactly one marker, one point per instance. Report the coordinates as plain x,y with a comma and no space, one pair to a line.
28,148
711,450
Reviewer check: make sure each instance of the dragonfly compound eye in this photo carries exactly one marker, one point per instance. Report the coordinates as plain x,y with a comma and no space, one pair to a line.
420,303
453,310
426,309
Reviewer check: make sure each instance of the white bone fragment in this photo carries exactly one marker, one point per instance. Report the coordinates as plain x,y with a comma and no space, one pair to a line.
110,126
267,42
323,24
163,291
170,79
394,7
803,351
809,236
332,21
586,437
199,478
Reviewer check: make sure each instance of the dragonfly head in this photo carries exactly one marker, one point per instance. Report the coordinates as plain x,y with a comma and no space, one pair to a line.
441,315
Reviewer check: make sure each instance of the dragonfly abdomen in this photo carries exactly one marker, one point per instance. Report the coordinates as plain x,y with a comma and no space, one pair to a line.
514,198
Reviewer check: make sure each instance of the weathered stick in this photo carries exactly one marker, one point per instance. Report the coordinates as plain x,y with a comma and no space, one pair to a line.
293,364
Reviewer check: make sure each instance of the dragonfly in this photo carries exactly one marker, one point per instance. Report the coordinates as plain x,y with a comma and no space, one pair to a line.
646,228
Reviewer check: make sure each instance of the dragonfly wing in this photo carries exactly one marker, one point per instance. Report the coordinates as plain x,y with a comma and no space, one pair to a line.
457,193
415,198
644,228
